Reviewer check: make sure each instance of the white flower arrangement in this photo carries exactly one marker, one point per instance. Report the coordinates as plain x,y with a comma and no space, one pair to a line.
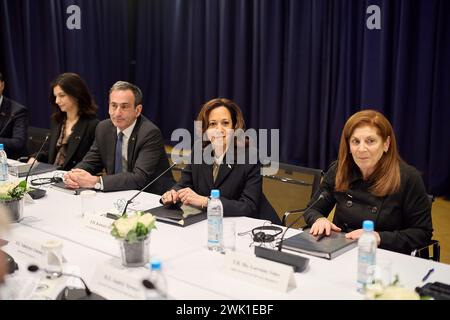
134,227
393,291
10,191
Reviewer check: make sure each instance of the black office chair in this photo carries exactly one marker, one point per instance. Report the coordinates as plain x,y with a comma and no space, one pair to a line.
36,137
292,186
176,171
432,251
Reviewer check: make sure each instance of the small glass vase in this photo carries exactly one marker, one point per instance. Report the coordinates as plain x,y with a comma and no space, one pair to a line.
135,254
15,207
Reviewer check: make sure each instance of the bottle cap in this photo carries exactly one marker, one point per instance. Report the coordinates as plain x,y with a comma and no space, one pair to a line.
215,193
155,265
368,225
52,245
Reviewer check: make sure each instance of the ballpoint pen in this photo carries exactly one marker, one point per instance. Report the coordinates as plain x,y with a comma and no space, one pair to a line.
428,274
320,236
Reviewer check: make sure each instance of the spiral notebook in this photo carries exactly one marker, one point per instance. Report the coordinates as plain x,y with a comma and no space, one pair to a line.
328,247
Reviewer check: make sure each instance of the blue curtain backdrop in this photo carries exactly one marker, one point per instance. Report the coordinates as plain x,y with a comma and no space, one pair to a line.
36,46
302,66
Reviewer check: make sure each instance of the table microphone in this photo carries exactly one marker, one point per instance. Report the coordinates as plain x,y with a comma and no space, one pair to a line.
36,193
115,217
323,195
299,263
70,293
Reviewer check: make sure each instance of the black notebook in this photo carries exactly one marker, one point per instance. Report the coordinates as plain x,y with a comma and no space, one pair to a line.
39,168
328,247
180,216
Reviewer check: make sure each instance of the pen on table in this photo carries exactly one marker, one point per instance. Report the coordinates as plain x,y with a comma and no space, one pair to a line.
428,274
320,236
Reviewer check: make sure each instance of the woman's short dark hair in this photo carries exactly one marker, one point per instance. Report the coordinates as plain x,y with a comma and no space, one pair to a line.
237,118
74,86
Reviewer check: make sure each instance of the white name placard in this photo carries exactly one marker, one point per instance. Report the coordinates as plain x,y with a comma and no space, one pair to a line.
26,249
259,271
119,284
98,223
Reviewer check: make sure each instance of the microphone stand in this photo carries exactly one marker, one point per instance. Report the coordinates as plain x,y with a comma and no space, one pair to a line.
71,293
321,196
299,263
115,216
36,193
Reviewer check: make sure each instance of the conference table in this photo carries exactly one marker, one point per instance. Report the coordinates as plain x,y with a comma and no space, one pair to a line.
192,271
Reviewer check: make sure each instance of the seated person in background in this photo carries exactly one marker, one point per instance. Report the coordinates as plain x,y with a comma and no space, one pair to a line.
128,146
370,181
73,122
240,184
13,125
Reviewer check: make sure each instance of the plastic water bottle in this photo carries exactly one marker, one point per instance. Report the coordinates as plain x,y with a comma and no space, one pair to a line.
367,250
156,288
215,222
3,164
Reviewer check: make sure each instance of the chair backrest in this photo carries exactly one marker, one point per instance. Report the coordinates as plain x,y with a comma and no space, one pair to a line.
36,137
176,171
291,188
432,251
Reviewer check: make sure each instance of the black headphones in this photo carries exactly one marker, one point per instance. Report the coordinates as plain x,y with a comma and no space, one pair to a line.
260,236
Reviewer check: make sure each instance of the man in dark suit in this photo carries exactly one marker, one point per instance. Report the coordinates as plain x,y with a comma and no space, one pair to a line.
13,125
128,146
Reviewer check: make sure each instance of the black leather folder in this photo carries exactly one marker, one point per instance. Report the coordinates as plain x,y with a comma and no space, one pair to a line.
329,247
39,168
179,216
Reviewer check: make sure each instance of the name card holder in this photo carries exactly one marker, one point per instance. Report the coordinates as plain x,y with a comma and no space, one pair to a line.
98,222
119,284
25,249
259,271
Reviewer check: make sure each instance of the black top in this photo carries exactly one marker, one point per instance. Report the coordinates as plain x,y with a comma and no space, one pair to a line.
13,128
403,219
80,140
240,187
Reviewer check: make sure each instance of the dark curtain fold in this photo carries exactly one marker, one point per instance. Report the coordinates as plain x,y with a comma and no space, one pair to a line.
37,46
303,66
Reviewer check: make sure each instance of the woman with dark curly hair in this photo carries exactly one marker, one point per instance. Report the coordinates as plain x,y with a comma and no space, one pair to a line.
73,122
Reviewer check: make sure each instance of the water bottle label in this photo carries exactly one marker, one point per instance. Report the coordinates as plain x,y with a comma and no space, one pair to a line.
214,231
365,260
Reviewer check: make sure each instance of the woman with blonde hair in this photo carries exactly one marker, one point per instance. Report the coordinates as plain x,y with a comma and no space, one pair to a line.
370,181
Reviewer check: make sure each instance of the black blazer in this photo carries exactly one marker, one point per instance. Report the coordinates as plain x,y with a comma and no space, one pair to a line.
240,188
403,219
146,158
13,128
79,143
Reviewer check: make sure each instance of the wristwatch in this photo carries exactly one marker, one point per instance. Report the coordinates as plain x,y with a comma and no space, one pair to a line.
98,185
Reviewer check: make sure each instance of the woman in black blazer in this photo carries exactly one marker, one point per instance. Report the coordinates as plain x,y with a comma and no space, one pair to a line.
224,164
73,123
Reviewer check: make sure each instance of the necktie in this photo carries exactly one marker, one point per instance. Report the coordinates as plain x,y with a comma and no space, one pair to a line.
215,171
118,158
